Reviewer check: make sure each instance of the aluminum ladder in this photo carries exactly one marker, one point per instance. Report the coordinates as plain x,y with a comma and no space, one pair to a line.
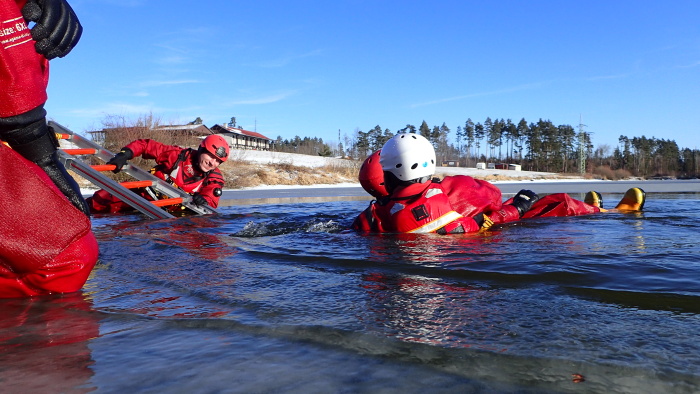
123,191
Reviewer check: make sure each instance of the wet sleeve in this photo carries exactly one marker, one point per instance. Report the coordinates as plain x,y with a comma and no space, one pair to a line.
154,150
214,181
367,221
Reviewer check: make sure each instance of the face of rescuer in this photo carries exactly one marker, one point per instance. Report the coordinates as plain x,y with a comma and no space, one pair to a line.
207,161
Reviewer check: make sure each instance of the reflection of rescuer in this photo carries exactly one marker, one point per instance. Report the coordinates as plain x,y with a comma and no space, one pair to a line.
44,346
37,258
409,200
195,171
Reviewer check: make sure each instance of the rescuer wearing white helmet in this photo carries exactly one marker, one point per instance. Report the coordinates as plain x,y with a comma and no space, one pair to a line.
410,200
418,203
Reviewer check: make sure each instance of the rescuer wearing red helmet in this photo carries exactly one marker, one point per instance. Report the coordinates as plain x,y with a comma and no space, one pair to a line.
193,170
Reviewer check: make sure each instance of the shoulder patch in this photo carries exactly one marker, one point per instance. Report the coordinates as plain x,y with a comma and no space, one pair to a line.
420,212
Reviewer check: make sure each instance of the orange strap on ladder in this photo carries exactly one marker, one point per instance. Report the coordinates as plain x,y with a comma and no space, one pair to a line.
167,201
104,167
136,184
85,151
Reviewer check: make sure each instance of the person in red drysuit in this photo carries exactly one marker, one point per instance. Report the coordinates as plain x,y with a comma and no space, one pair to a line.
195,171
24,73
410,201
47,243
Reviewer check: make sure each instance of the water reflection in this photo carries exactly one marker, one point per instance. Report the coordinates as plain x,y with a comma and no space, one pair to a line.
424,310
189,233
44,344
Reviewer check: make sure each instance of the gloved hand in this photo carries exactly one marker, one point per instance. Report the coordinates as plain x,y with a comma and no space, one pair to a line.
199,200
29,135
120,159
523,201
57,28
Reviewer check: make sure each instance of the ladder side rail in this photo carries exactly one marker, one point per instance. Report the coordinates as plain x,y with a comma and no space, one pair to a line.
134,200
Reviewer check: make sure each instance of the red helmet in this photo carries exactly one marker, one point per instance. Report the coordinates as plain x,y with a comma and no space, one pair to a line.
372,176
216,145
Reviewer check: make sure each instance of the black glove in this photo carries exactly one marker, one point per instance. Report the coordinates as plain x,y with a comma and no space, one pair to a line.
120,159
57,28
29,136
524,200
199,200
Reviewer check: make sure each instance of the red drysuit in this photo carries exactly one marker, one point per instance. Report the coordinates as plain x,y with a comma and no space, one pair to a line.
47,244
24,73
450,206
173,164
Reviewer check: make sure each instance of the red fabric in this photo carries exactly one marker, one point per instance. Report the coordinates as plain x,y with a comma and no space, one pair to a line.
24,74
466,196
368,221
47,244
430,211
470,196
188,177
559,204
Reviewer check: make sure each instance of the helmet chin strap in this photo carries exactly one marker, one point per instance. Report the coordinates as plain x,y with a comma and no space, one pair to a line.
391,182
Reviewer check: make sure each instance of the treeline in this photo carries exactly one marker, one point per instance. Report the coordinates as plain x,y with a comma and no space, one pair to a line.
306,146
539,146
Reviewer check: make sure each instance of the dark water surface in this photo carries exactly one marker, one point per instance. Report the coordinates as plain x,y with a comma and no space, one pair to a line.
279,298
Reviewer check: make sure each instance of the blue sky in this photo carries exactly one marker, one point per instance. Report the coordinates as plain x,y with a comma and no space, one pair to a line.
312,68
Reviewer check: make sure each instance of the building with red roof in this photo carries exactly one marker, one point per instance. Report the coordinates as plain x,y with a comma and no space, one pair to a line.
242,139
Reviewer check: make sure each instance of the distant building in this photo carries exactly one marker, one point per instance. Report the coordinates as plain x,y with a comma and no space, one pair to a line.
236,137
450,163
242,139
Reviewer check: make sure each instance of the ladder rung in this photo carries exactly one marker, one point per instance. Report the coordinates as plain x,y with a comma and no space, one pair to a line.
103,167
84,151
167,201
63,136
135,184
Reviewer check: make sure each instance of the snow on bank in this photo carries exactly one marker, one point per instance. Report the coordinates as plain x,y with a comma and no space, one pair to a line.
266,157
269,157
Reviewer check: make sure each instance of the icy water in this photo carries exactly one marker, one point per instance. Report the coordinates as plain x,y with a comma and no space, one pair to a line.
279,298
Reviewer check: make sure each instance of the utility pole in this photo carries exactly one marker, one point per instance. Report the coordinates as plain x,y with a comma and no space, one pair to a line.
581,147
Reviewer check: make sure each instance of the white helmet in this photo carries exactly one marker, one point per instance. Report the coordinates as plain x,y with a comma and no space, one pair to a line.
408,156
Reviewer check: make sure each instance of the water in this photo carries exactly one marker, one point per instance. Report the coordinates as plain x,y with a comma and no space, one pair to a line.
279,298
